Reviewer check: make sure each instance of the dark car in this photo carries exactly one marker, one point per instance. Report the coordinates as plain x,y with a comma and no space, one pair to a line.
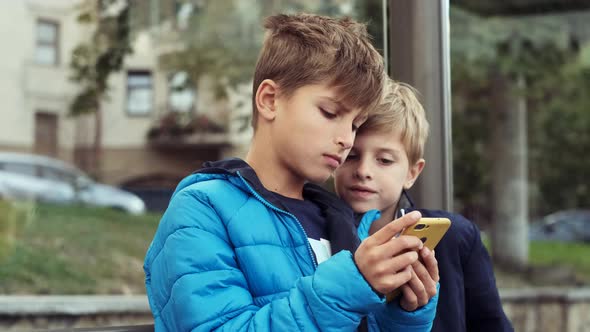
565,226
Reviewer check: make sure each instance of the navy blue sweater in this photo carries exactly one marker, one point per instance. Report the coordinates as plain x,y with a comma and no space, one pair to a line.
468,299
468,296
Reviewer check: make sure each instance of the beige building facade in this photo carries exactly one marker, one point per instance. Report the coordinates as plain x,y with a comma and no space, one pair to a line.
36,93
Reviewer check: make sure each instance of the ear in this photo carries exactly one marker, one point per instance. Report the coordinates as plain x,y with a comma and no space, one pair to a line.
266,98
414,172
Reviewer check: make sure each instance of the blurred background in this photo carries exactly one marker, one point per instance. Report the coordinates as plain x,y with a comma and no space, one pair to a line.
106,105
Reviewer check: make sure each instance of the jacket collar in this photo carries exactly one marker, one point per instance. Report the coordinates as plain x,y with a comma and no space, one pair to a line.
238,167
341,225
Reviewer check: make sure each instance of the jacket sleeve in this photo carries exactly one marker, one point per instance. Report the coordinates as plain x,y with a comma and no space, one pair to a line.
392,317
194,282
482,302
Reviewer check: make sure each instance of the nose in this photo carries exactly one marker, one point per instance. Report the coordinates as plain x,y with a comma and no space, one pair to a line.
362,171
345,139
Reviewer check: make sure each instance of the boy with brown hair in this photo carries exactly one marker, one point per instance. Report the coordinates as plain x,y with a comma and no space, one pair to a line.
253,245
385,161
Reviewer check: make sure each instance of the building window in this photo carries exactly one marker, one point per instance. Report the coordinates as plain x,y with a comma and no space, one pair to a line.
181,93
47,50
139,93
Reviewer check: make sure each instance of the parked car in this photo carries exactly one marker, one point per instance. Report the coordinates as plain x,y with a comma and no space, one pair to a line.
566,225
44,179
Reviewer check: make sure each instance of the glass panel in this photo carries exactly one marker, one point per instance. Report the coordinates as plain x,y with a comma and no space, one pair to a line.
135,80
140,96
20,168
56,174
51,174
46,32
521,126
45,55
139,101
181,93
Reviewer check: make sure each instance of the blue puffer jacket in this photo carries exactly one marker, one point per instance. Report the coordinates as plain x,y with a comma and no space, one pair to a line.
227,256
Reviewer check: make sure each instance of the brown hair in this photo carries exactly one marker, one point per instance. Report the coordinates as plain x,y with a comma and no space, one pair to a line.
400,112
309,49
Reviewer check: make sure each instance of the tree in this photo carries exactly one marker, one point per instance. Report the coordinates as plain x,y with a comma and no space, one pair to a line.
210,46
227,53
94,61
528,82
559,134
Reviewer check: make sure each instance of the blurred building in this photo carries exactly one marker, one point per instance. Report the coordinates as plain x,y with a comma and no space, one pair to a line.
37,93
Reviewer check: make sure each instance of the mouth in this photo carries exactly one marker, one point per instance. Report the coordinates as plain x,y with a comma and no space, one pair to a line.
333,160
361,191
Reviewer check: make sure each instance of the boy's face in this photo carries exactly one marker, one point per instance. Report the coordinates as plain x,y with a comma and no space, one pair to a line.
312,132
375,172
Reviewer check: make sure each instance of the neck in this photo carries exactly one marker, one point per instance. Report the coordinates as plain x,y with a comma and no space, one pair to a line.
386,217
273,174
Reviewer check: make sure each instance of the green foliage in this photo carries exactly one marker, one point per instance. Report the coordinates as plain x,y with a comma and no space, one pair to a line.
78,250
368,12
550,264
555,68
14,218
86,102
94,61
471,163
228,52
226,65
7,229
560,254
560,139
225,52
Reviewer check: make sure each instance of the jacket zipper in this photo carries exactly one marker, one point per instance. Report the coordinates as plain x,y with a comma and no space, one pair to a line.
267,204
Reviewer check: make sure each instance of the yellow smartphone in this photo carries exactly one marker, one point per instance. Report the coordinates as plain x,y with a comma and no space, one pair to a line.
430,231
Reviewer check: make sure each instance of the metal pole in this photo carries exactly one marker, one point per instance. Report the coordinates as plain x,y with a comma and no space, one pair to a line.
419,55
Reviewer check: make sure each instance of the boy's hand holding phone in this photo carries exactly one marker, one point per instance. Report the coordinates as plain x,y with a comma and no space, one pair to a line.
385,260
418,291
422,287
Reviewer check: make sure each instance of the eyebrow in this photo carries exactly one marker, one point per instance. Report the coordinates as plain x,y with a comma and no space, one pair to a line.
388,150
336,102
394,152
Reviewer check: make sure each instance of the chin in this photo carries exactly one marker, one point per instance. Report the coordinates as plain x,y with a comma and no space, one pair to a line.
360,207
319,178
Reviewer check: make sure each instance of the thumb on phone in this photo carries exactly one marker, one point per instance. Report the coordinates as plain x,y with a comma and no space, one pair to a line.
390,230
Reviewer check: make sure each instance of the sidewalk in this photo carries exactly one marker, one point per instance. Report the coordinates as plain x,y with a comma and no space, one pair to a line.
529,309
28,312
72,304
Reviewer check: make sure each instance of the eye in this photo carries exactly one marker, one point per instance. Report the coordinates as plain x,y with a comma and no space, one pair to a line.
385,161
328,115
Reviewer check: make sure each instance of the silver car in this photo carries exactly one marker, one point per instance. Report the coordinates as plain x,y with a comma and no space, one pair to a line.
44,179
565,226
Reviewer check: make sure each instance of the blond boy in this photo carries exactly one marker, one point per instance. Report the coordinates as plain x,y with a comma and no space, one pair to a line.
385,161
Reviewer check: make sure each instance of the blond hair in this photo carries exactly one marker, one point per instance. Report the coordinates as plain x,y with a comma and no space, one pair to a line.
308,49
400,112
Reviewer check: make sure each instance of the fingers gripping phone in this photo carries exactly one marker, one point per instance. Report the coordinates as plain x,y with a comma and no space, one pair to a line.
430,231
